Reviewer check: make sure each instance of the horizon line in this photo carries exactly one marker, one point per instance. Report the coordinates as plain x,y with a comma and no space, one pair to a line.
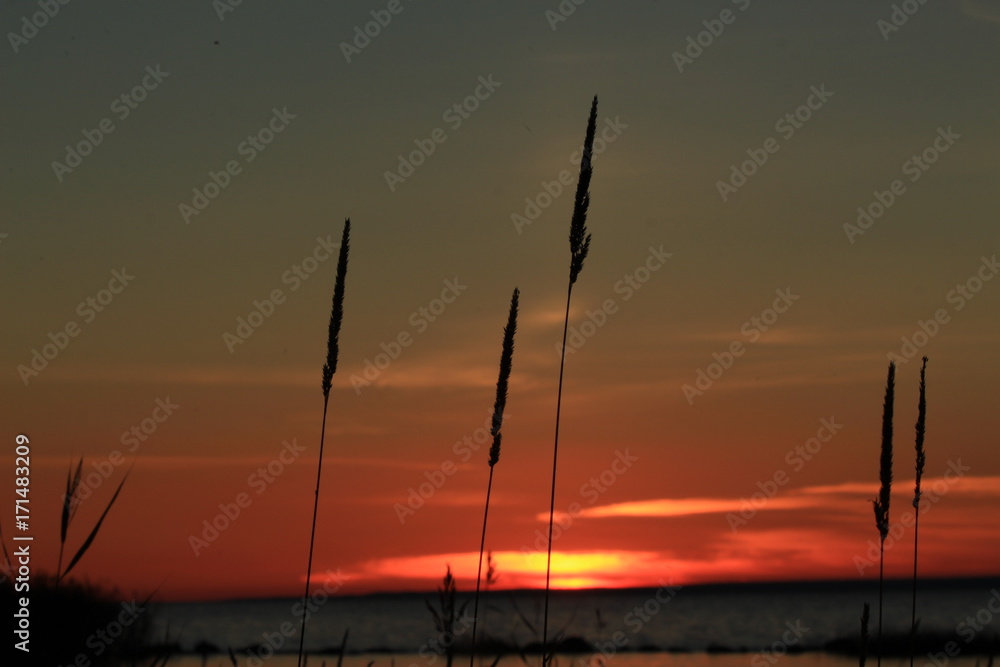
894,581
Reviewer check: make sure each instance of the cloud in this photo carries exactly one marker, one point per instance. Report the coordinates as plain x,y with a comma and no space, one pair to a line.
675,507
845,495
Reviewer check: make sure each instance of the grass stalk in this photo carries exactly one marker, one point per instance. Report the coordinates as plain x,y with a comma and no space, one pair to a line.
444,620
329,368
863,654
71,502
343,648
579,244
506,359
885,488
921,459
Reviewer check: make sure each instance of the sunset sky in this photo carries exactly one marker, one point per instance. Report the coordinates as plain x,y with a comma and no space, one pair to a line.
785,196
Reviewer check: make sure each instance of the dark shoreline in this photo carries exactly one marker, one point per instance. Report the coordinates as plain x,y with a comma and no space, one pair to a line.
751,587
897,646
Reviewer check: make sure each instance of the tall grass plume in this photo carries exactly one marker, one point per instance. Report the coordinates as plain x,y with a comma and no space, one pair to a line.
579,246
881,503
917,493
329,368
506,362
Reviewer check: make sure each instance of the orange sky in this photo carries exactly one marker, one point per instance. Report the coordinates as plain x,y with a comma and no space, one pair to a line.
613,528
721,346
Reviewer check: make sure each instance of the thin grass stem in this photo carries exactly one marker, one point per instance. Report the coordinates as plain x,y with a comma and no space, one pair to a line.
579,247
329,368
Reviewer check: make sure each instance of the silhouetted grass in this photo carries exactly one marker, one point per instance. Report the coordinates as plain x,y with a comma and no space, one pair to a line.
71,621
329,368
447,615
71,502
919,467
579,246
885,489
506,362
863,653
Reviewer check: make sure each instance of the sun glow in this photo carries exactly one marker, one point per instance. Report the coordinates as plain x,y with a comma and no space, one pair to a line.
570,569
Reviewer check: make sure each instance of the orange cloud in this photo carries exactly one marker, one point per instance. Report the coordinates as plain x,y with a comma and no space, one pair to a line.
672,507
823,496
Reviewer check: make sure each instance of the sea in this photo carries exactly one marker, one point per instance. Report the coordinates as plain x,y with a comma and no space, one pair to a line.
808,624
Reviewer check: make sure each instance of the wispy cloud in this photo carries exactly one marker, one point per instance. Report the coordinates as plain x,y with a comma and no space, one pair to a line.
676,507
825,496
